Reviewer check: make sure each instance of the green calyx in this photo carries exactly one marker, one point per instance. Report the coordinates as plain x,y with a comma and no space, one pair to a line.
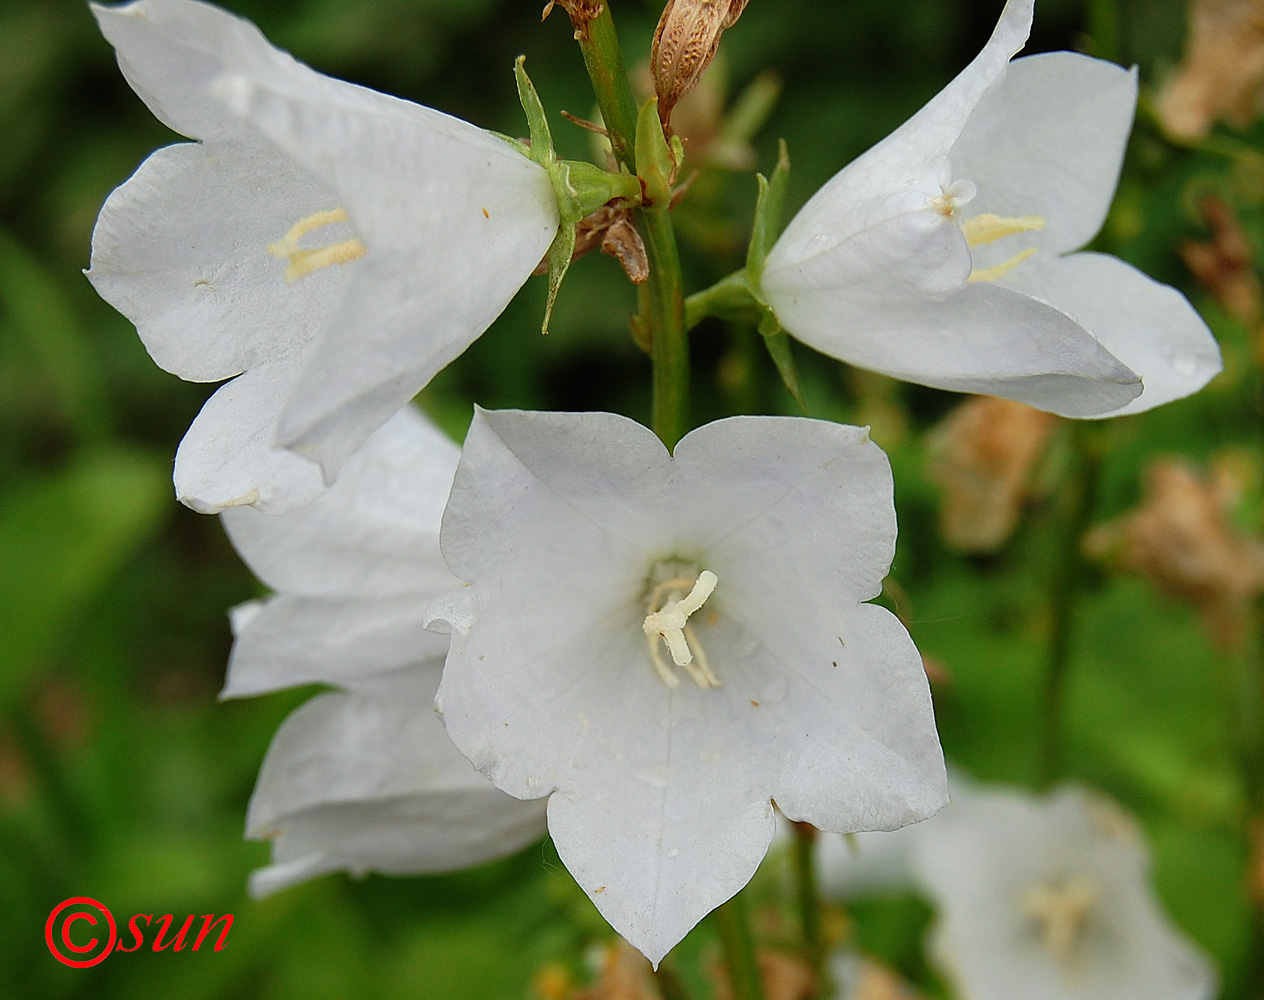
580,188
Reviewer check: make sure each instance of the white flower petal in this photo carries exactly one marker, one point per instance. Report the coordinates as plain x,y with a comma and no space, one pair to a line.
759,484
1150,327
368,781
1049,140
180,249
374,533
171,51
911,163
289,640
454,220
228,457
980,337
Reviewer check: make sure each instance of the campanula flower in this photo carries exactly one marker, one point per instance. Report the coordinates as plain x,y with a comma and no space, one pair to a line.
947,254
664,643
329,246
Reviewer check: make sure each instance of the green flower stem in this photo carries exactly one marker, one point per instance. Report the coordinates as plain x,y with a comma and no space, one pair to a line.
810,909
604,61
1078,500
663,319
729,298
739,949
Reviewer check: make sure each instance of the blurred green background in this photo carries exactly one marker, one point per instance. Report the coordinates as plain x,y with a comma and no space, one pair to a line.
122,777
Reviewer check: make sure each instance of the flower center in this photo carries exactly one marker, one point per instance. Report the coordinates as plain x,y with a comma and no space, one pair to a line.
1062,912
986,228
304,262
668,607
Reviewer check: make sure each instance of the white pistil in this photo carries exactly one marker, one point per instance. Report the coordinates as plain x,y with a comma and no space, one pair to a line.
1062,912
671,624
304,262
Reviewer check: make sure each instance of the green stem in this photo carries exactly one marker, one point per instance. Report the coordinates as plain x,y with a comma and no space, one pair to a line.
810,908
663,318
1078,500
739,949
662,299
729,298
604,60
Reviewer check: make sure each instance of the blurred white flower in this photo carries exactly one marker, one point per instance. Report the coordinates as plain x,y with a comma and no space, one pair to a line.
943,255
666,643
1041,897
1050,897
363,779
330,246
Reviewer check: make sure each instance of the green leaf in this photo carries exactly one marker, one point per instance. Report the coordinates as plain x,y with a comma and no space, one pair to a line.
34,308
63,537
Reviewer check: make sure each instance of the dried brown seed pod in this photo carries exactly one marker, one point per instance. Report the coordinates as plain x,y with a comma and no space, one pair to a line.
685,43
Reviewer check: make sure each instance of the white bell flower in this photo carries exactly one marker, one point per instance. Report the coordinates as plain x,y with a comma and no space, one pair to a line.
1042,897
663,644
365,778
1049,898
330,246
945,254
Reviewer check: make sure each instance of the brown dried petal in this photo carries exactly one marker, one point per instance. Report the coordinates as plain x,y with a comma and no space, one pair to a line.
1223,265
685,42
1221,73
982,456
1181,538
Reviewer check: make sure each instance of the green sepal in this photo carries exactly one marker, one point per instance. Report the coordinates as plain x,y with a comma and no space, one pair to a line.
655,162
768,212
559,255
579,187
778,343
537,121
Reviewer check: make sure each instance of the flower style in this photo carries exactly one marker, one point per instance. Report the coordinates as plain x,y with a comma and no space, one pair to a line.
363,778
1050,898
943,255
665,643
331,247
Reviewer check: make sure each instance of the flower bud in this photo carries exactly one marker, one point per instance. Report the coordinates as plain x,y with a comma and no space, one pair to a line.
686,41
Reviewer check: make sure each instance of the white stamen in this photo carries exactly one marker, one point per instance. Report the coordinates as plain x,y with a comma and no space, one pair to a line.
671,624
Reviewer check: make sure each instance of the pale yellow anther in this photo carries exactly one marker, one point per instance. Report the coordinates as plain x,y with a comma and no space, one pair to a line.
304,262
671,624
1062,912
990,228
992,273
